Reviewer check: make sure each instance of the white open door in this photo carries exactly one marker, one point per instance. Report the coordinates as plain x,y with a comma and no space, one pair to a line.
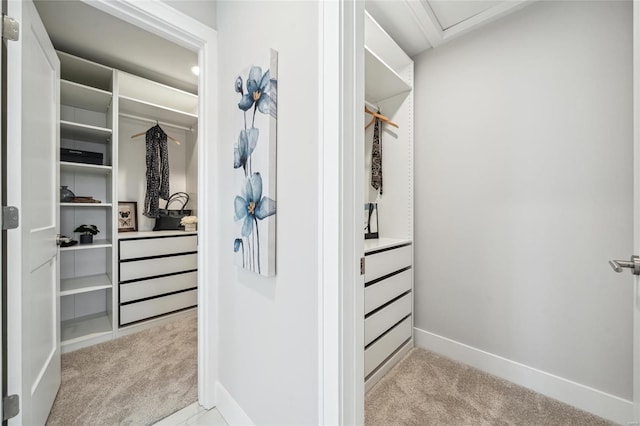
32,178
636,209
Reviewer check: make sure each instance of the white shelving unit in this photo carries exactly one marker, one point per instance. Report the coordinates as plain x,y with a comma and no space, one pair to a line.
388,288
86,284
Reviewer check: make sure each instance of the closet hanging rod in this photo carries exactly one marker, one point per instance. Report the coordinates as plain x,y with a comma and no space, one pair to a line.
163,123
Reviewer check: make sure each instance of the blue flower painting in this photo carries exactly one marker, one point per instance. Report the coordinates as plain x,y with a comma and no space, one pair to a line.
254,163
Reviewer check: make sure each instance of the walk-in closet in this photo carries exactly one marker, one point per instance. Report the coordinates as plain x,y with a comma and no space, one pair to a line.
128,143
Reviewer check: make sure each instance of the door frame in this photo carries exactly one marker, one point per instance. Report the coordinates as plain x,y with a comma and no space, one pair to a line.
168,23
636,208
341,195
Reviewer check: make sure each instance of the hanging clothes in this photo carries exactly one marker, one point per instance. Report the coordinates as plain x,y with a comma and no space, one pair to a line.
157,170
376,158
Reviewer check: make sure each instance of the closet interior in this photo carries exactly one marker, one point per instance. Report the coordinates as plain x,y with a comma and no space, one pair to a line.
388,288
122,281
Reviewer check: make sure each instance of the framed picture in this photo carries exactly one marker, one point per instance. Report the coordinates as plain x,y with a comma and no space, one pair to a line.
370,221
127,216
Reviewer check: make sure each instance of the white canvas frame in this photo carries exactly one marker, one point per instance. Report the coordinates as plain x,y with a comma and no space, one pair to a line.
166,22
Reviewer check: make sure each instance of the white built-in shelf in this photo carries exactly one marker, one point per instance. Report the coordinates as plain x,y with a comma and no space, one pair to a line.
86,205
85,97
70,166
69,286
84,72
384,243
84,328
145,90
97,244
381,82
84,132
143,109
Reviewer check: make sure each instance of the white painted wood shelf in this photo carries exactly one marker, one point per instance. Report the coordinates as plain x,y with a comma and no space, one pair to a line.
69,166
381,81
97,244
85,328
86,205
84,132
85,72
143,109
80,96
86,284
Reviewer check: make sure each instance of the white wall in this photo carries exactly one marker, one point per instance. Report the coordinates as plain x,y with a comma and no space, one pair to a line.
202,10
268,338
524,190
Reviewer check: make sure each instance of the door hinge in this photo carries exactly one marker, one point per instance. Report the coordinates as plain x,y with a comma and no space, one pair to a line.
10,217
10,407
10,28
362,266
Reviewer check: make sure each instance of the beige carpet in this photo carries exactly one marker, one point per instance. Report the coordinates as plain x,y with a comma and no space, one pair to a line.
135,380
427,389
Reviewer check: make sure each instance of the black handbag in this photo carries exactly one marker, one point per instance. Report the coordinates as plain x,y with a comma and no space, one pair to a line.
169,220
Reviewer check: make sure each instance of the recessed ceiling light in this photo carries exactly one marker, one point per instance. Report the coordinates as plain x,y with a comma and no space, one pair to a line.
195,69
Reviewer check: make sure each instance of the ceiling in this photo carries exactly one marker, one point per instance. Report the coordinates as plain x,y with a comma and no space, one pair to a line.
82,30
417,25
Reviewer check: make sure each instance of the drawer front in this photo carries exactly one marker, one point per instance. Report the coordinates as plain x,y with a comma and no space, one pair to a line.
376,295
379,351
380,264
148,288
132,249
386,318
152,267
153,307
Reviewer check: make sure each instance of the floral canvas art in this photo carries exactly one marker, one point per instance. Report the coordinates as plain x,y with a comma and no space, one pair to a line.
254,166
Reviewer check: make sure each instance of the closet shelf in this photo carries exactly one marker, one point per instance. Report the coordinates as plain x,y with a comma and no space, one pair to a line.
84,132
85,72
151,111
97,244
85,97
70,166
381,82
85,328
151,92
86,205
86,284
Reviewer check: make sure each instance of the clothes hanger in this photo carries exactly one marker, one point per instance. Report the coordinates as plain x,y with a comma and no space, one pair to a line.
380,117
171,138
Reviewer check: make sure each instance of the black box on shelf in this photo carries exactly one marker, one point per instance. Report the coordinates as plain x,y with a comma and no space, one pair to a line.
78,156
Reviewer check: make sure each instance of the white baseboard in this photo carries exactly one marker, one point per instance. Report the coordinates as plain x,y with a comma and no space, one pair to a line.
230,409
583,397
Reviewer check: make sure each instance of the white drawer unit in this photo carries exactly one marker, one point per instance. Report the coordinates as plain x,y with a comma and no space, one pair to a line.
376,295
134,270
381,263
132,249
157,275
384,319
388,305
151,308
379,351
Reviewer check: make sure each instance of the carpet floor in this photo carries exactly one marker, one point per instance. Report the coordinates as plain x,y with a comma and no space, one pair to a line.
427,389
134,380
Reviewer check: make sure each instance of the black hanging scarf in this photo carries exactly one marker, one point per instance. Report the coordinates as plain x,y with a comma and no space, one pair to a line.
157,170
376,158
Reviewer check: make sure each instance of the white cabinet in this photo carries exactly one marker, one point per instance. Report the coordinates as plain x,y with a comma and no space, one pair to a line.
388,288
157,274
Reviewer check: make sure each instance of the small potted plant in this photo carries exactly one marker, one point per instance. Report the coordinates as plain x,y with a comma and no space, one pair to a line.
86,233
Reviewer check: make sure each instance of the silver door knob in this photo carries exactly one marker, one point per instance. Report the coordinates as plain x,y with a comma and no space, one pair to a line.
62,239
633,264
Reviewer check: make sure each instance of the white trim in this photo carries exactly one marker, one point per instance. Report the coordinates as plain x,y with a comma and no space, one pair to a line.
165,21
636,207
428,23
231,411
583,397
341,310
